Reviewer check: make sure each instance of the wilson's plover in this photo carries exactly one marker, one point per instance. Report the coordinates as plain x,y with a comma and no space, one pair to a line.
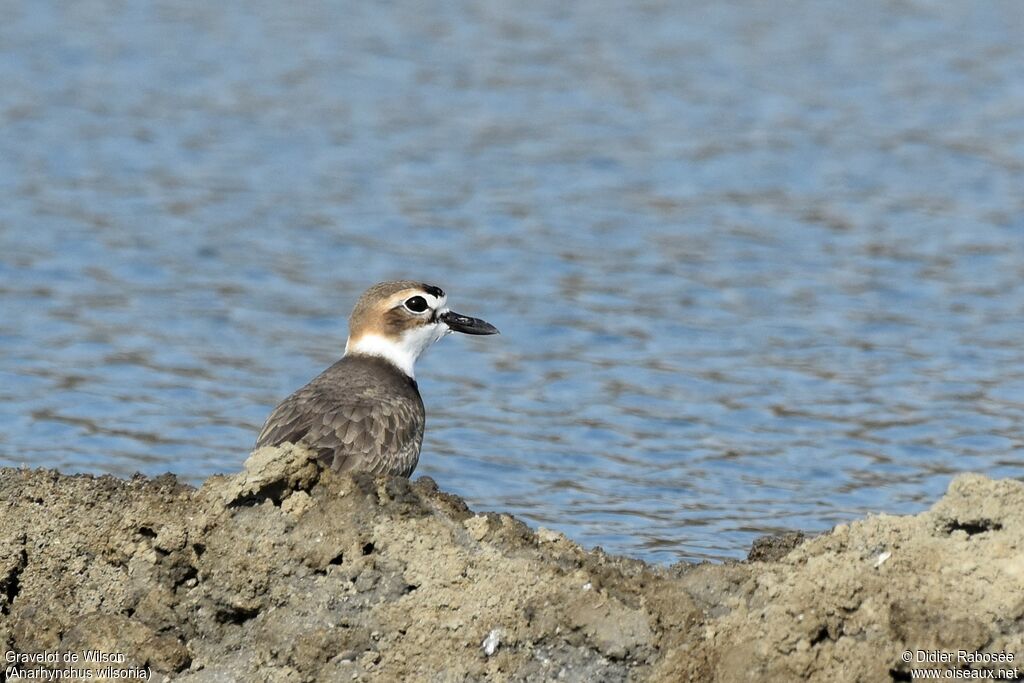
364,413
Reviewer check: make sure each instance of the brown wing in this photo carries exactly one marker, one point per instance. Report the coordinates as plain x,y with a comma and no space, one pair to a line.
362,432
288,422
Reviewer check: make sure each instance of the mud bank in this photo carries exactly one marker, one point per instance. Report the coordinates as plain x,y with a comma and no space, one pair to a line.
288,573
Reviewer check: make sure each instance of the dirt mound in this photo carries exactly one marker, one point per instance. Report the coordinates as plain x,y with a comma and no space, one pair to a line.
285,572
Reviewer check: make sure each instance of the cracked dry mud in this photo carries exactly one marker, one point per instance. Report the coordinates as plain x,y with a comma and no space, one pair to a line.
285,572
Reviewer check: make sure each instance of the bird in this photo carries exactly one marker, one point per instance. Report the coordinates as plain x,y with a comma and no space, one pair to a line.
365,413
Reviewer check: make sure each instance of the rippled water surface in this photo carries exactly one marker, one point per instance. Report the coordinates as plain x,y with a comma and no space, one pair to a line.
757,266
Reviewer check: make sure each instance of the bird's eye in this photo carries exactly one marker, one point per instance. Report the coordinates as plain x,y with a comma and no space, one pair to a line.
416,304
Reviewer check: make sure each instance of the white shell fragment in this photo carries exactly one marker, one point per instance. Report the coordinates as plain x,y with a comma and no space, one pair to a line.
491,642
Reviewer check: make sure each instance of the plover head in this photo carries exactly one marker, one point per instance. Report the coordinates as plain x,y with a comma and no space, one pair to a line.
398,321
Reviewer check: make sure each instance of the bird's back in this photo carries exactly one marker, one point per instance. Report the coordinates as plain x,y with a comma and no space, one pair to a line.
362,413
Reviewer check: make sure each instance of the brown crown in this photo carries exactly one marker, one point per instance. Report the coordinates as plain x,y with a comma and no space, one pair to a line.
379,310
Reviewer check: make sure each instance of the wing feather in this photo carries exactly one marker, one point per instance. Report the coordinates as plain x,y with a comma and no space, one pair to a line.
359,430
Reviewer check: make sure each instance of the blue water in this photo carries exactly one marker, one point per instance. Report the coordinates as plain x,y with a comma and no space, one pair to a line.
757,266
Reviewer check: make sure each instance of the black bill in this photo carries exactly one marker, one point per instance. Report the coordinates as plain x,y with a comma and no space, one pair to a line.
463,323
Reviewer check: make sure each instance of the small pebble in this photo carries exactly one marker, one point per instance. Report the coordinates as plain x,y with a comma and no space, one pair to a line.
491,642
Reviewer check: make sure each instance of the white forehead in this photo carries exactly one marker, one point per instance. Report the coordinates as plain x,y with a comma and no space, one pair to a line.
434,302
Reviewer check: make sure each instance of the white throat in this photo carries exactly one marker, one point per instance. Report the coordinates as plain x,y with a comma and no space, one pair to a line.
401,352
